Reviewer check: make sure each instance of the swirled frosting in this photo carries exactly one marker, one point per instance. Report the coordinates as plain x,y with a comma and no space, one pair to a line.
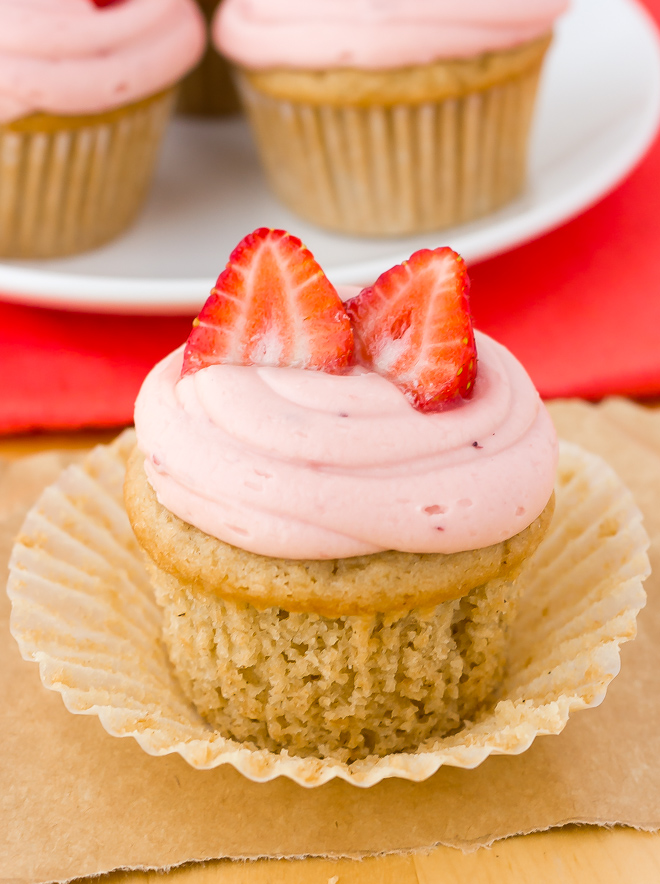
72,57
374,34
307,465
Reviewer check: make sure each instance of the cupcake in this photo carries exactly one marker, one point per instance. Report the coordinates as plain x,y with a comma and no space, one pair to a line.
209,89
389,118
334,502
86,91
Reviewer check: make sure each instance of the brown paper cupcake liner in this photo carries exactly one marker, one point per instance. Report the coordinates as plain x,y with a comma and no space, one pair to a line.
83,609
209,90
391,170
69,184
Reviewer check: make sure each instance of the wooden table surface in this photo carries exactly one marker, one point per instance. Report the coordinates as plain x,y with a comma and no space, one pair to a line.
571,855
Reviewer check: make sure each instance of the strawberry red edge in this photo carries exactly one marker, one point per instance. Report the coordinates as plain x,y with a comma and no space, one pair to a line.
351,311
421,402
340,365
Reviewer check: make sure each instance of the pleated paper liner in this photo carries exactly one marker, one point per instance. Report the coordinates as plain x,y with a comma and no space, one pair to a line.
84,611
208,90
395,168
68,184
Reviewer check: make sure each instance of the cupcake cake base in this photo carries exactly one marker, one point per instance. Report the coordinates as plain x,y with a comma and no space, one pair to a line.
347,675
278,680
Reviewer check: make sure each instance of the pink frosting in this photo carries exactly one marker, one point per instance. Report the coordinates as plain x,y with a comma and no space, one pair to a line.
307,465
72,57
319,34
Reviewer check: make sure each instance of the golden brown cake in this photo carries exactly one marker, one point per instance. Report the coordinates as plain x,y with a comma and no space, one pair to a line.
367,655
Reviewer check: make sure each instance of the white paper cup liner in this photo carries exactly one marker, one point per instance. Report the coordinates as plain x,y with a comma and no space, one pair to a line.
70,184
396,169
83,609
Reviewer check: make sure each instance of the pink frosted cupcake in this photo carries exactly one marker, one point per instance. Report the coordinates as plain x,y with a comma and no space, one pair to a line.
86,89
389,118
334,539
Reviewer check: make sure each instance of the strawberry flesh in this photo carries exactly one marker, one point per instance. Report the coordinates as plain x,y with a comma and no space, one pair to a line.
271,305
102,3
413,326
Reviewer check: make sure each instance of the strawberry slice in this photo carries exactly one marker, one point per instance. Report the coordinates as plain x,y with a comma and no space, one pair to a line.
413,326
102,3
271,305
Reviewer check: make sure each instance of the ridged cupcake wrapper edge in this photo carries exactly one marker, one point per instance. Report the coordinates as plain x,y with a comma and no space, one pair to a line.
74,185
83,609
395,170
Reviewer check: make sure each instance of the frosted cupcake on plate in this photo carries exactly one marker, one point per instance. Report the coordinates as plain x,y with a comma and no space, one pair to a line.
334,501
86,89
389,118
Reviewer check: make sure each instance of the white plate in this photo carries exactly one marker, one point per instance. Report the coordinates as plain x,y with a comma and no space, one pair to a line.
598,111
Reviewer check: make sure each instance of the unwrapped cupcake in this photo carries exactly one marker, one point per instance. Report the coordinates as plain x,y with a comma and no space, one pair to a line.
86,89
334,501
388,118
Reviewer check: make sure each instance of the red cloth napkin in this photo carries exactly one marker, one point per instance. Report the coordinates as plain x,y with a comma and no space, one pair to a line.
580,307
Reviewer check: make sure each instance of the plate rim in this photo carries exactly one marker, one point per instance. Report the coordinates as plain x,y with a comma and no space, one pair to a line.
51,289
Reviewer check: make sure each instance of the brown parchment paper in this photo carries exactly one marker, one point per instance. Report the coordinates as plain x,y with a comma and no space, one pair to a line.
75,801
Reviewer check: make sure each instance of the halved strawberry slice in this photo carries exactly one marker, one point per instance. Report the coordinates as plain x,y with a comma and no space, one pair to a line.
271,305
413,326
